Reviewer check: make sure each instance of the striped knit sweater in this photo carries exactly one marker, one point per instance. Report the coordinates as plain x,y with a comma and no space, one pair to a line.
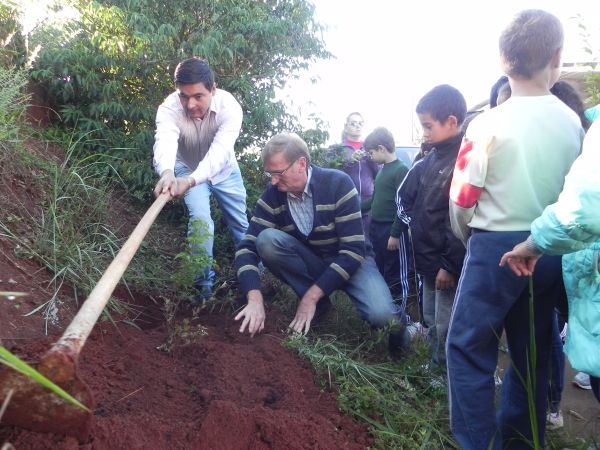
337,235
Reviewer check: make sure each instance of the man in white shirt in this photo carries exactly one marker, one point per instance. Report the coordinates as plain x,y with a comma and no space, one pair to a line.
196,129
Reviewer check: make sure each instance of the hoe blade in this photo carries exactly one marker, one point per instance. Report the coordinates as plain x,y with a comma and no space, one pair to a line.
34,407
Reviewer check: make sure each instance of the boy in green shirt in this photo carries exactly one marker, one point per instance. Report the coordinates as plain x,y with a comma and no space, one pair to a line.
386,230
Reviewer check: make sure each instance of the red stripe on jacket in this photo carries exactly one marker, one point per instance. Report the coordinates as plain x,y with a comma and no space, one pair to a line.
462,193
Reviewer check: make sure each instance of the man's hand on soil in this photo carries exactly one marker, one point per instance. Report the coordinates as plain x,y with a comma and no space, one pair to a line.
253,314
304,315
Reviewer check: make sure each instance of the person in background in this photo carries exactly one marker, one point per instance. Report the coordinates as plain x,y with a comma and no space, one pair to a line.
196,129
502,180
389,235
352,159
423,206
592,113
570,97
571,227
307,231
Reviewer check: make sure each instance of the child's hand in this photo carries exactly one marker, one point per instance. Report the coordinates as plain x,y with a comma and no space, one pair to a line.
444,280
393,243
359,154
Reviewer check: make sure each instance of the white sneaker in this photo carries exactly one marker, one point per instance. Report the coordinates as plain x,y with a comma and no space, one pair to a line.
554,421
582,380
415,328
497,378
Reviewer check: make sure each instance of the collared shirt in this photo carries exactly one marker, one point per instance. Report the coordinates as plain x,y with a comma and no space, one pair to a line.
204,145
301,208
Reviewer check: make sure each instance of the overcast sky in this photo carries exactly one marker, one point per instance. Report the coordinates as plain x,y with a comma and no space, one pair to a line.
390,53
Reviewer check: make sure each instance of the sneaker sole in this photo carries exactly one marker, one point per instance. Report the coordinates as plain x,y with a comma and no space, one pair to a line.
586,387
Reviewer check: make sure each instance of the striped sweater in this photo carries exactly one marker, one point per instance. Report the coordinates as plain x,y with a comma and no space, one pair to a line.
337,235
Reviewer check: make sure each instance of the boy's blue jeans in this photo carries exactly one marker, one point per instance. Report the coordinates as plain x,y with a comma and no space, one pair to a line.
298,266
231,197
490,298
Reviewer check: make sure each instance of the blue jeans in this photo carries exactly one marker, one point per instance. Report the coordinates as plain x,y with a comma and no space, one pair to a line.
557,368
437,309
231,197
294,263
490,298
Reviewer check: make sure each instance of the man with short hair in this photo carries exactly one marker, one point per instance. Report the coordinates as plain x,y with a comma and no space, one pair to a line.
307,231
196,129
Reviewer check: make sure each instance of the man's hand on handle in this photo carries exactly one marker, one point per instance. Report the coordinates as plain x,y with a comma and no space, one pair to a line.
176,186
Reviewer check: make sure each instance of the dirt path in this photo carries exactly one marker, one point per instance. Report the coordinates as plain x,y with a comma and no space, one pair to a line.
580,409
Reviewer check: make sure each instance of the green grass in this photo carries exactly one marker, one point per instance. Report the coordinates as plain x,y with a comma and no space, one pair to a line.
396,399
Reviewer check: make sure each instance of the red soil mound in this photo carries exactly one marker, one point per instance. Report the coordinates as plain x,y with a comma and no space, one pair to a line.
223,391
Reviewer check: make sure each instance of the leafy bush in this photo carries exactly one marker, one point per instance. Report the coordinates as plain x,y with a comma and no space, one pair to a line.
12,53
112,74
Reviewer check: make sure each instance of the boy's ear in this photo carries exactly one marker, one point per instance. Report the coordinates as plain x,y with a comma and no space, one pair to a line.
556,60
452,121
381,148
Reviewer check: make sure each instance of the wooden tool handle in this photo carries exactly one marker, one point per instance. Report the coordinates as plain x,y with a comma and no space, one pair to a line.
80,328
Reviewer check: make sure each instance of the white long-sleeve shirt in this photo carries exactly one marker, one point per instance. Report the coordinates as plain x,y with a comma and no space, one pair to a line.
203,145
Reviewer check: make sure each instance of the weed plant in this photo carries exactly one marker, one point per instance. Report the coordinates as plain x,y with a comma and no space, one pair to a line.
191,260
12,105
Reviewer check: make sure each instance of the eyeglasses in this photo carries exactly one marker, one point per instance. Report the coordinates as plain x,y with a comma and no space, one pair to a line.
279,173
356,123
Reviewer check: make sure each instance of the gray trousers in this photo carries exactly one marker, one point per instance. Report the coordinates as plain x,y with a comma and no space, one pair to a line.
437,309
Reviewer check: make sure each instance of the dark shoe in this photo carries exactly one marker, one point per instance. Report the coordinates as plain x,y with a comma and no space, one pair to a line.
399,343
204,293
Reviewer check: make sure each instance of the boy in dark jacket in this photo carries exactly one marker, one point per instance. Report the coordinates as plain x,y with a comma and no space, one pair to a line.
423,204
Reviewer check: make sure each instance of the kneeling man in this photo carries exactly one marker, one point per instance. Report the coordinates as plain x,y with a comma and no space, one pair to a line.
307,231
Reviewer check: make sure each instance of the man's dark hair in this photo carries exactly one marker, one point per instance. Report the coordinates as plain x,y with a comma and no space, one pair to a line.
442,102
194,70
380,136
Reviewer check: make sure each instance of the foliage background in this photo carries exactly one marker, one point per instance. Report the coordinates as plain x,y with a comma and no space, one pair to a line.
107,71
